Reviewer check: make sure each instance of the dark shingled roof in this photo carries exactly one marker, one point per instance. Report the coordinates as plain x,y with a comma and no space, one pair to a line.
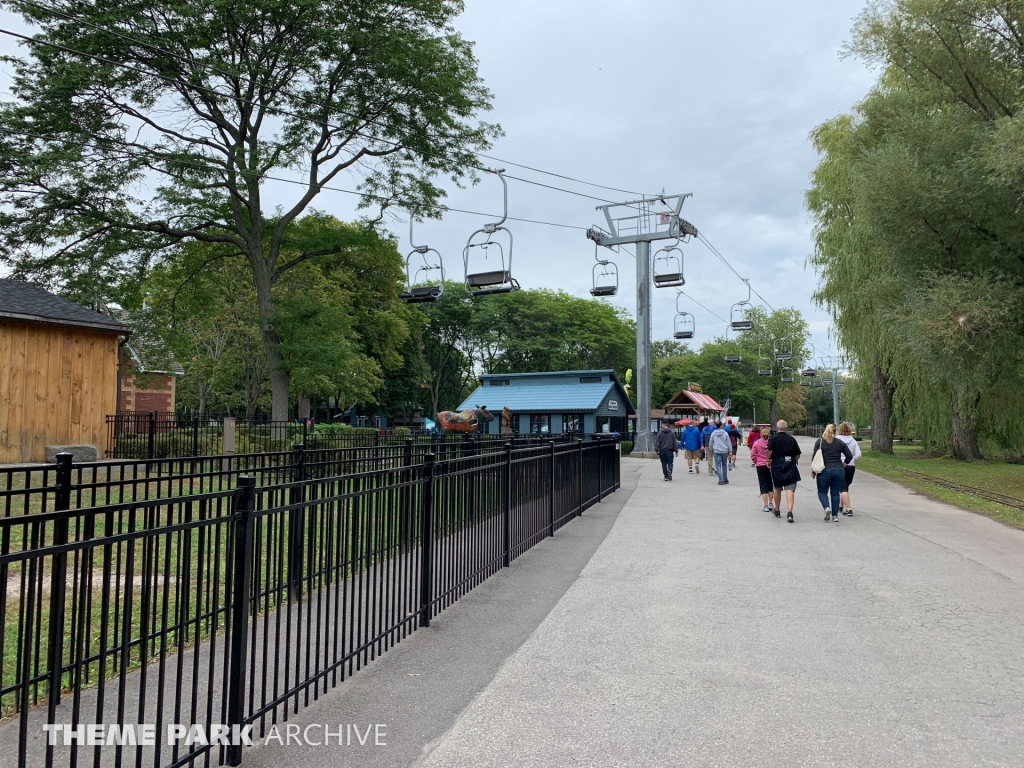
27,303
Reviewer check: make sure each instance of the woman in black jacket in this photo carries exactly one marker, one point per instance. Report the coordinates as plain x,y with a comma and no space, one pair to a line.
832,479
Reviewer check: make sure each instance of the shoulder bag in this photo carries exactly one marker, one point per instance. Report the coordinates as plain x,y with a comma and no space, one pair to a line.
818,461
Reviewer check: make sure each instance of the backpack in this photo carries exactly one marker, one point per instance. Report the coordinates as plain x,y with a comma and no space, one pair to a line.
818,461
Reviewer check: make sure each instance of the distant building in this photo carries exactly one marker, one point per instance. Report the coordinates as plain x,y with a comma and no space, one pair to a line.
58,372
688,404
581,402
149,372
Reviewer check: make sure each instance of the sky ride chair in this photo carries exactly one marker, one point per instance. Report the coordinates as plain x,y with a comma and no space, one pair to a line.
787,375
491,271
606,282
784,350
732,359
667,268
764,367
684,326
739,319
418,292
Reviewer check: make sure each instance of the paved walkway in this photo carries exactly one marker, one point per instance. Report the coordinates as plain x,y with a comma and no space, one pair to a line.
692,629
705,632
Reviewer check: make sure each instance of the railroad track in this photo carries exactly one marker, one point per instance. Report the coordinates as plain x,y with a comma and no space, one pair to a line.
998,498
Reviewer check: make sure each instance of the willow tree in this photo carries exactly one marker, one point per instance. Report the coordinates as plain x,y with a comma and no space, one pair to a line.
136,126
919,230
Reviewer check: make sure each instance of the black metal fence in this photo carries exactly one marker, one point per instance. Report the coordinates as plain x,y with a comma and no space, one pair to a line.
235,606
27,488
158,435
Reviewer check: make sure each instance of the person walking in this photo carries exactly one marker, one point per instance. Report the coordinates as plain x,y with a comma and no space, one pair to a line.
783,455
845,433
734,437
665,445
832,479
706,433
764,473
720,446
691,442
752,437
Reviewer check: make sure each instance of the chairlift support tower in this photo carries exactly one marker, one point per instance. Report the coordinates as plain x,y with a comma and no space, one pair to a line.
640,223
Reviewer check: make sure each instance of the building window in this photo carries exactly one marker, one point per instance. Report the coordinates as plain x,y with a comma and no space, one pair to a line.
540,424
572,423
499,382
590,379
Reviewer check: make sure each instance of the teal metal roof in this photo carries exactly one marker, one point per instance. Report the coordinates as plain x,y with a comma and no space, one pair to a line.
566,397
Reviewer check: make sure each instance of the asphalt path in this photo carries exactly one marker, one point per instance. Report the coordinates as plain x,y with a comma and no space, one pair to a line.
705,632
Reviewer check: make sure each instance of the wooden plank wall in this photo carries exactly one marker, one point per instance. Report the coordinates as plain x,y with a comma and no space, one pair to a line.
56,387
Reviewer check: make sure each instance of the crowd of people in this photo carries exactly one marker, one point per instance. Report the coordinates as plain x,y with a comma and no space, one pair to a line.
774,455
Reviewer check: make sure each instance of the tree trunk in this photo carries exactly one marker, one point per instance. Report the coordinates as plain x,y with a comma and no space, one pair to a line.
881,398
280,378
773,413
964,433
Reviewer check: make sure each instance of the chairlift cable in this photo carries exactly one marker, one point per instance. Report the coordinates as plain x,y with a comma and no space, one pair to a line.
214,169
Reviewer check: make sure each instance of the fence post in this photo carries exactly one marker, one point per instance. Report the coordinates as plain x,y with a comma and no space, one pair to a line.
195,435
296,495
406,497
58,582
600,481
152,434
427,543
579,478
551,499
471,450
506,507
245,502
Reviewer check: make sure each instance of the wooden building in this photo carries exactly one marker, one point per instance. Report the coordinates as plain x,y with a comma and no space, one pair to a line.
58,372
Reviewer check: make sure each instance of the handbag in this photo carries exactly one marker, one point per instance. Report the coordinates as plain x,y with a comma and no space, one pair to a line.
818,460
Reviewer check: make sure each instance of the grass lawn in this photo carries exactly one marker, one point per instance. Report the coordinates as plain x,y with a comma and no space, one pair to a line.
998,477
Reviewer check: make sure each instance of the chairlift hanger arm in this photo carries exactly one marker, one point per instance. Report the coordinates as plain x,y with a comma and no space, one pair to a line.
412,242
490,228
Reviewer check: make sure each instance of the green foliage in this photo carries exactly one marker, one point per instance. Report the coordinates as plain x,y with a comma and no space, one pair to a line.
403,432
170,130
919,228
338,318
738,382
522,332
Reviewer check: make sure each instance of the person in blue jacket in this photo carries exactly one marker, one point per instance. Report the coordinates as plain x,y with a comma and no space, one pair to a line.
691,442
706,436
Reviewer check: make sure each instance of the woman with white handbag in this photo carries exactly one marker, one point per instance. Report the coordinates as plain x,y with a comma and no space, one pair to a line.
827,469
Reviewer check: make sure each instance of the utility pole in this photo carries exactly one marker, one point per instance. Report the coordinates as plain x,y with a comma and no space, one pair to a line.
835,396
641,222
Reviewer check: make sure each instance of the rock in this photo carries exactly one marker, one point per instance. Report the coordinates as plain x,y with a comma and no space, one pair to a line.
79,453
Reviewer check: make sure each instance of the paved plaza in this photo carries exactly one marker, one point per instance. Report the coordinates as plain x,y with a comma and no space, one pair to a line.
705,632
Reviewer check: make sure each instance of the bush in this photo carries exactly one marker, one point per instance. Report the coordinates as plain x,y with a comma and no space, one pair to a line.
403,432
626,447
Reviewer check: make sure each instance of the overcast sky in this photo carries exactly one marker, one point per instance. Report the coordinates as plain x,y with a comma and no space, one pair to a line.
716,99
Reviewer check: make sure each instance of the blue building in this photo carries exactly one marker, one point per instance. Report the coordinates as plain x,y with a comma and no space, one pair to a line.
580,402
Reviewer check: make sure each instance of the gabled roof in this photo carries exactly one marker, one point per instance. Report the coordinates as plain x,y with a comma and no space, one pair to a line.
27,303
526,394
702,401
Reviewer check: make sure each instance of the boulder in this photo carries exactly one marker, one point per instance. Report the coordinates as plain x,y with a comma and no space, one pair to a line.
79,453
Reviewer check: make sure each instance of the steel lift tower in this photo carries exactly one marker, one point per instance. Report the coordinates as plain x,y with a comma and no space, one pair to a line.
642,222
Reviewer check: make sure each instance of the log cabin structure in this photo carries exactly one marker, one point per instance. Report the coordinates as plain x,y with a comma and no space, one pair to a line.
58,372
